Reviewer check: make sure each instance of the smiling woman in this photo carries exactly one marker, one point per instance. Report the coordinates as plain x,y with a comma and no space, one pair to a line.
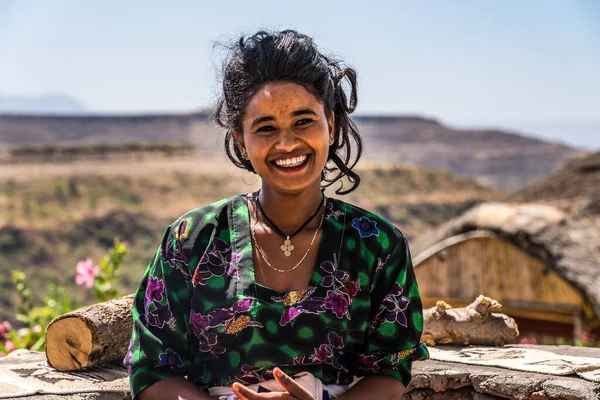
288,136
283,293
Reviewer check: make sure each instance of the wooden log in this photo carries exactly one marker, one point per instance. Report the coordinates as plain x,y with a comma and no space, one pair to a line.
100,332
90,335
479,323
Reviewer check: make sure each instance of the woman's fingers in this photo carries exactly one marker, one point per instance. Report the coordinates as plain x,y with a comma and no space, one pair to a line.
244,393
291,386
293,391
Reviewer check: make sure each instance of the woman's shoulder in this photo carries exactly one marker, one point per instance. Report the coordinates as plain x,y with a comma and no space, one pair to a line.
208,216
366,223
206,213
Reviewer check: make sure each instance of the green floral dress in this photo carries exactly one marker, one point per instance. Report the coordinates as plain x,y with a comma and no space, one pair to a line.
199,313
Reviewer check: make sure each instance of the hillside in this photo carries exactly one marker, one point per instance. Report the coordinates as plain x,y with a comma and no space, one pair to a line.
577,180
500,159
53,215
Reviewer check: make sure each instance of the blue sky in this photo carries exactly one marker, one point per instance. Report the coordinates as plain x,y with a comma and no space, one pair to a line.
511,63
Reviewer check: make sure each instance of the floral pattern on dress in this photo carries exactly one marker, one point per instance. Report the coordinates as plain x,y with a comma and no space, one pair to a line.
401,356
305,304
382,263
365,227
220,260
155,289
331,213
253,375
391,310
157,314
183,229
368,362
344,288
127,360
170,358
172,253
327,353
221,320
337,300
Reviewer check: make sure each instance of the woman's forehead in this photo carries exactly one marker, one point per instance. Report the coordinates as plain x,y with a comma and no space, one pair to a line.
281,99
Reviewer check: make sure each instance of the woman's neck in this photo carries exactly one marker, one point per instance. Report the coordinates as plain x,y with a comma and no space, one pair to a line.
289,211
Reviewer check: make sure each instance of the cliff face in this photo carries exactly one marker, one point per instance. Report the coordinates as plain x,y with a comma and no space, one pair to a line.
500,159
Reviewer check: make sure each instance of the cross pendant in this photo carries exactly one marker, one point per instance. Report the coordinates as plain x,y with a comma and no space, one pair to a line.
287,247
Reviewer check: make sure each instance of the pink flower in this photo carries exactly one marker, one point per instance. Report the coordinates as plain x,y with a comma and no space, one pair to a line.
86,271
9,346
37,329
526,340
4,328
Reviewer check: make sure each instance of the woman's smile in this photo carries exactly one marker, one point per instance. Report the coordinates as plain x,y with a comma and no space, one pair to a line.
291,161
291,164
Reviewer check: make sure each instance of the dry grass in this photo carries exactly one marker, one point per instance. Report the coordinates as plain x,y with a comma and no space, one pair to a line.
52,215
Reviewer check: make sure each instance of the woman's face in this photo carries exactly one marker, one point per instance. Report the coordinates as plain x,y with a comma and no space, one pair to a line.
286,135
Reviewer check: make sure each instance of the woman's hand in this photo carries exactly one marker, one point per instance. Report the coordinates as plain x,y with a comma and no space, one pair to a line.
293,391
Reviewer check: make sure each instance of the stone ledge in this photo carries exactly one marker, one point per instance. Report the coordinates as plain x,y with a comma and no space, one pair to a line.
432,379
446,380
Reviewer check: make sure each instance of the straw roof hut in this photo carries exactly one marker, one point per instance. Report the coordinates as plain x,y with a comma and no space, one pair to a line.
537,253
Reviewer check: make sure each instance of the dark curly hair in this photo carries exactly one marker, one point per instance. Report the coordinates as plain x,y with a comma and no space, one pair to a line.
291,56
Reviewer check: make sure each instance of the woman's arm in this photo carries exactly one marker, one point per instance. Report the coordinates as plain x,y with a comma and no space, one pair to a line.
163,345
386,388
176,388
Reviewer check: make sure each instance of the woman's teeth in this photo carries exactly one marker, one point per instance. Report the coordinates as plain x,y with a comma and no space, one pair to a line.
291,162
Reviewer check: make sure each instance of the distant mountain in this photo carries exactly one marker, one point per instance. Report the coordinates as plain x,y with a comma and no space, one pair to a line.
47,104
582,133
504,160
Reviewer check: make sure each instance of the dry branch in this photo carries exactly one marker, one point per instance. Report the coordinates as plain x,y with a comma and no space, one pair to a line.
479,323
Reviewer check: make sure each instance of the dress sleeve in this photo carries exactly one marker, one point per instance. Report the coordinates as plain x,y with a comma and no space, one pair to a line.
394,333
161,342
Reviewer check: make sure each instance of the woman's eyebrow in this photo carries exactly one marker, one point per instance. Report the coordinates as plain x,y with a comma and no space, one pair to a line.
261,119
294,114
304,111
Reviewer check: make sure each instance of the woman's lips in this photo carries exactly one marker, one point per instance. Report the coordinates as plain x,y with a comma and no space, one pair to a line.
292,164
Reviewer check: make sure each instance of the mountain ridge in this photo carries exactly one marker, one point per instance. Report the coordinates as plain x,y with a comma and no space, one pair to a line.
44,104
504,160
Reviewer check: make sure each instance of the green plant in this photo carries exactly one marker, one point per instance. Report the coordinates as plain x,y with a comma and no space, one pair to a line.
31,335
109,273
59,301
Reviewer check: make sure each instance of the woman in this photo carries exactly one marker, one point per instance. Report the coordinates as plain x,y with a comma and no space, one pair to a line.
284,289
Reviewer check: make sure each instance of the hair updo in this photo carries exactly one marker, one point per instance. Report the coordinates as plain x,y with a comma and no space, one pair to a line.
290,56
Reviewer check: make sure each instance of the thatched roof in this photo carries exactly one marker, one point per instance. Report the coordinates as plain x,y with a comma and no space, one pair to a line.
556,220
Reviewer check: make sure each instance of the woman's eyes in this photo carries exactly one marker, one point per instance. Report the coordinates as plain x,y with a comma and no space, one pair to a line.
303,121
266,128
271,128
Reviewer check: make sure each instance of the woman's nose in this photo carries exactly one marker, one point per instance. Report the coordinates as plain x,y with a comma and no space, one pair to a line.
286,140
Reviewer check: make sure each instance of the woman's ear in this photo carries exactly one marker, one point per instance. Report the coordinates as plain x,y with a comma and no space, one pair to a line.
239,141
331,126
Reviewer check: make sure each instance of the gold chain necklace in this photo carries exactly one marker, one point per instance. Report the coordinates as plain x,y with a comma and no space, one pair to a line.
287,247
264,257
